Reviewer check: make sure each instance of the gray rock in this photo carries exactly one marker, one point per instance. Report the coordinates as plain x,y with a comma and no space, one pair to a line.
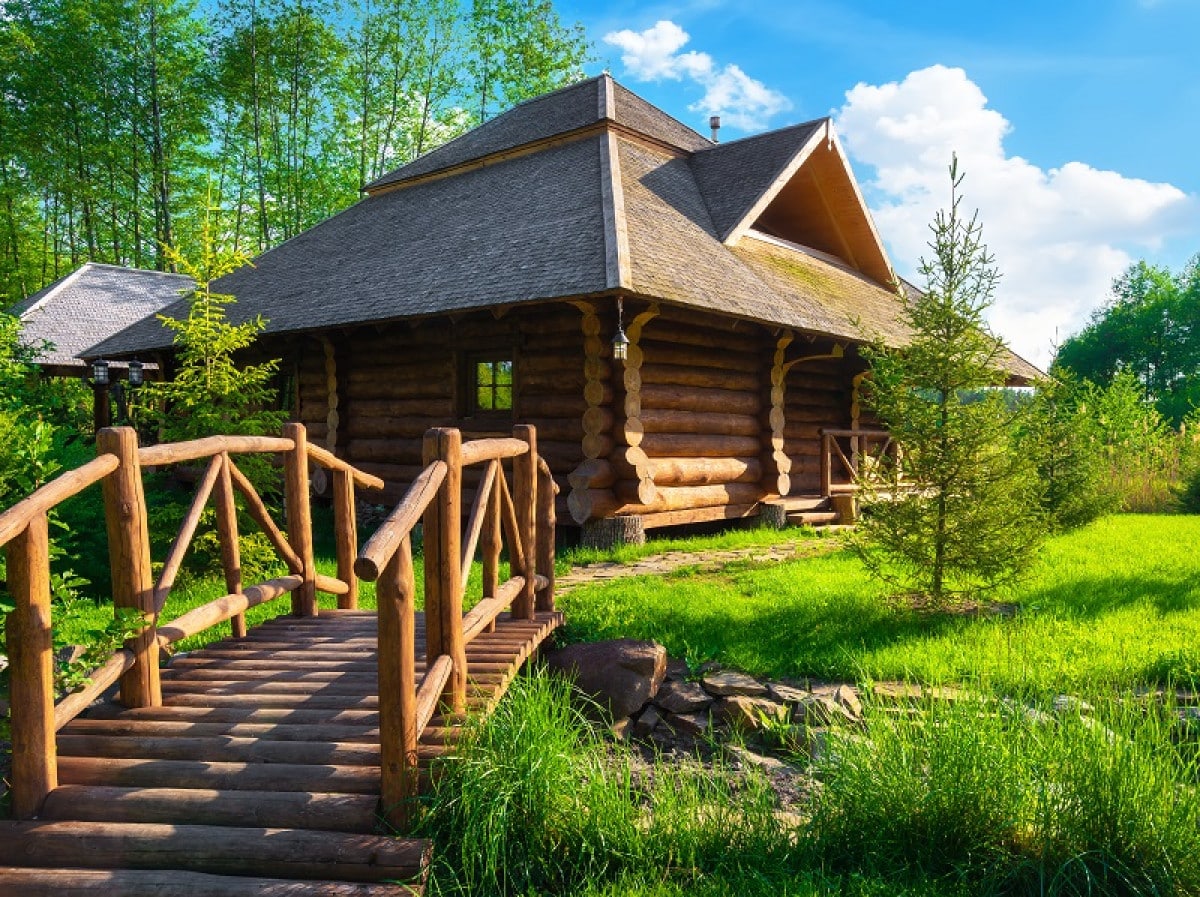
745,713
620,675
694,724
682,697
821,710
647,722
751,758
677,670
730,683
1071,704
847,696
787,694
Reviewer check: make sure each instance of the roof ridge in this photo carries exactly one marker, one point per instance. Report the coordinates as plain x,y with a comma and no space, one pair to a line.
54,289
774,132
664,114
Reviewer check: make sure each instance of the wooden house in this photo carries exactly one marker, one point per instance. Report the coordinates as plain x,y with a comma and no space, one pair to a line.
483,284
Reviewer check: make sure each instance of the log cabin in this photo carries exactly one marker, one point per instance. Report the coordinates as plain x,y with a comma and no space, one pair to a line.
494,279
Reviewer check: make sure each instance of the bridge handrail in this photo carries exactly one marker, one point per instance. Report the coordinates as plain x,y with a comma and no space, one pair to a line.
24,532
523,516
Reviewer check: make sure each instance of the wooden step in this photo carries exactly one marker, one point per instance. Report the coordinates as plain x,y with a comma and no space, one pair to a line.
814,518
229,850
219,749
153,728
235,714
261,809
172,883
127,773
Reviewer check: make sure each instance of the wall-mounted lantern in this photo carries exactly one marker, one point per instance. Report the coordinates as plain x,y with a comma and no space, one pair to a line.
620,342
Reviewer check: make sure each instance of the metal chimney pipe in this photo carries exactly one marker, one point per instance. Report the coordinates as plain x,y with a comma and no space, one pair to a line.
714,122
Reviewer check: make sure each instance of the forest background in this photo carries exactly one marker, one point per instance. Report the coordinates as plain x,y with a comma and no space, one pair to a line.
125,122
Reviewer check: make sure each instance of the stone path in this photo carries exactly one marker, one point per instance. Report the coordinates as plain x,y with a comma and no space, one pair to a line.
704,561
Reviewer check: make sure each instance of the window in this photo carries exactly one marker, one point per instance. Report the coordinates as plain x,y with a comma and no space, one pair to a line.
491,384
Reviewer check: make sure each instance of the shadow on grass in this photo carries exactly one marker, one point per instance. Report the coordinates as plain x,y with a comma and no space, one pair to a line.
1089,597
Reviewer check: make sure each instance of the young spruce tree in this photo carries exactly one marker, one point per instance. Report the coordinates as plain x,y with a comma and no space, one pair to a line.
962,512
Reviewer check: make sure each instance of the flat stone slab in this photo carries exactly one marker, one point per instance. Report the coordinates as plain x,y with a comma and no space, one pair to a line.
682,697
729,683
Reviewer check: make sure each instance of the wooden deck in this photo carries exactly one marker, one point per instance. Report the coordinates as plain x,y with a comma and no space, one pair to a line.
261,766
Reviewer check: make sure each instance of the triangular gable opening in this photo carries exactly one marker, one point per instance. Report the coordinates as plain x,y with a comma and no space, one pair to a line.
816,203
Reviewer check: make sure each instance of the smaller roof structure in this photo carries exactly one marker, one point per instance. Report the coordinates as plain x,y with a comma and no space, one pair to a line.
90,305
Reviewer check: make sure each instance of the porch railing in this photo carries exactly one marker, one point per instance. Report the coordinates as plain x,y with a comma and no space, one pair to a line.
847,456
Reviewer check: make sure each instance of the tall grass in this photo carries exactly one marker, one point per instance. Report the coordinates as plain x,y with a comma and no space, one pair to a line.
537,802
998,800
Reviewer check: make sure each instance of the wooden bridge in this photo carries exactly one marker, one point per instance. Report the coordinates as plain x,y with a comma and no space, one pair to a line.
284,759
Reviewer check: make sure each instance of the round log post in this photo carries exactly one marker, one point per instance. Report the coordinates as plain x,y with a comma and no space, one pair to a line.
299,518
31,671
129,561
345,535
545,537
395,595
443,570
227,537
609,532
525,475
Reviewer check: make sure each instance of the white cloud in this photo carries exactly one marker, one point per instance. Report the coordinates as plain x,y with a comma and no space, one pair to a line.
1060,235
652,55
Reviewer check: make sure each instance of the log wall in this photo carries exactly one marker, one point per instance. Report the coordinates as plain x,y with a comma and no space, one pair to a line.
707,416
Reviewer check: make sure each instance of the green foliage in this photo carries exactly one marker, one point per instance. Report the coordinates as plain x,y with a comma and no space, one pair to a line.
1149,330
1064,434
536,802
1114,605
992,797
962,511
99,643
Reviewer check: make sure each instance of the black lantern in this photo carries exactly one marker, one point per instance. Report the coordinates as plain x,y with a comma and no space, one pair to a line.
620,342
100,372
136,375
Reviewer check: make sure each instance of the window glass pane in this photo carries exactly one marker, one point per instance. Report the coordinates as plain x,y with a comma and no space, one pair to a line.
484,373
503,398
492,384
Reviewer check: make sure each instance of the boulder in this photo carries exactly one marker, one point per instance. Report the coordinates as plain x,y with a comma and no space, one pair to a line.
694,724
787,694
619,675
745,713
820,711
730,683
682,697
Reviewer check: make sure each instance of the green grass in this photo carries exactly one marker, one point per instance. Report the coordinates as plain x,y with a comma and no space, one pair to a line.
730,540
1113,605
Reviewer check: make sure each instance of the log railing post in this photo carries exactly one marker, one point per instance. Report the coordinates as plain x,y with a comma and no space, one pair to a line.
490,543
524,493
227,537
299,518
443,566
395,596
129,561
345,535
31,671
826,465
545,537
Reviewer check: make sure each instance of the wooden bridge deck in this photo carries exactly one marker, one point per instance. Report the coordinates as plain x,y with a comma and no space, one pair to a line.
259,773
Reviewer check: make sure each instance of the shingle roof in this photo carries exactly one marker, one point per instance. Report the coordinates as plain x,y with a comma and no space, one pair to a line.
732,176
642,205
580,105
527,228
92,304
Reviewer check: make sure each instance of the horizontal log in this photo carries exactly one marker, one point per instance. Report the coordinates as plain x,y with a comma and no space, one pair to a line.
670,445
696,398
294,853
362,426
178,452
704,471
682,498
699,515
704,377
553,406
592,504
331,585
58,490
78,701
595,473
204,806
723,339
661,420
560,455
383,544
387,451
550,362
330,461
393,474
566,429
220,610
171,883
689,356
488,449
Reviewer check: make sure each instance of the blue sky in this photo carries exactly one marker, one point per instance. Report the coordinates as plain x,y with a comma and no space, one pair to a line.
1078,124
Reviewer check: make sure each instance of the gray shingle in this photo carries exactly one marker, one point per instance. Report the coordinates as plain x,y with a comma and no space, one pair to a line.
90,305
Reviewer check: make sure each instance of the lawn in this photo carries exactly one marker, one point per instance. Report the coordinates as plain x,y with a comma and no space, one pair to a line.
1116,604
